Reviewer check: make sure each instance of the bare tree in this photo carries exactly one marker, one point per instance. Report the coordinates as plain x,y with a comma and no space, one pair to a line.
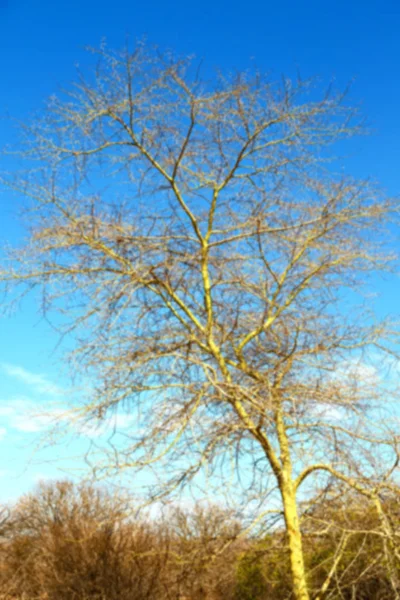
211,263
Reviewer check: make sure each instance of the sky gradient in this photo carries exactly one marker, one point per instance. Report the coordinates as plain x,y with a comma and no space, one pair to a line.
42,42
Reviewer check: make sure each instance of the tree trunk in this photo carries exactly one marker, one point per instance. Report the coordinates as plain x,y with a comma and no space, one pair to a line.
299,581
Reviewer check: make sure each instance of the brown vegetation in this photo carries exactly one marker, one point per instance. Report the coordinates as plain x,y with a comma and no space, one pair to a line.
67,542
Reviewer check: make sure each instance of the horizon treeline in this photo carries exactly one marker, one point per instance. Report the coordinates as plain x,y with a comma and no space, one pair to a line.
67,541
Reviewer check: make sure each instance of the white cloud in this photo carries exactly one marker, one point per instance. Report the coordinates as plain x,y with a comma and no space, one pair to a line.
329,413
116,422
357,370
31,414
38,383
26,413
22,414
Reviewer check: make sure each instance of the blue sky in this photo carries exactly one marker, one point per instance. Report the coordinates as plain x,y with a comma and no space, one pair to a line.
40,44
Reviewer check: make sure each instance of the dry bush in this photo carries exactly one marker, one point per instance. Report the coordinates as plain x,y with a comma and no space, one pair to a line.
352,545
205,548
72,543
68,542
